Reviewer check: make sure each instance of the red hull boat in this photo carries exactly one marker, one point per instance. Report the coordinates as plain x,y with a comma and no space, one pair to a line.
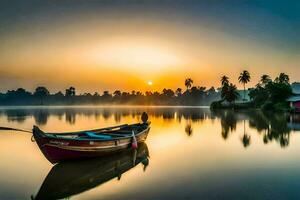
91,143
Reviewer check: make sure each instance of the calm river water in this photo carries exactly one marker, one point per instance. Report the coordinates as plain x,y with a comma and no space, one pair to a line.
193,153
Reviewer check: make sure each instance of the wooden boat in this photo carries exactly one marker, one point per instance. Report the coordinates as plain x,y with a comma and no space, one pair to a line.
91,143
70,178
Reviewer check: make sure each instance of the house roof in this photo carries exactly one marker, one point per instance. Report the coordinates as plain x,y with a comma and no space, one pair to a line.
296,88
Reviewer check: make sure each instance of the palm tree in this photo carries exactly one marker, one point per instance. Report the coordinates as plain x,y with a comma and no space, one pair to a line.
188,83
246,140
283,78
224,80
224,91
244,78
231,94
225,85
265,79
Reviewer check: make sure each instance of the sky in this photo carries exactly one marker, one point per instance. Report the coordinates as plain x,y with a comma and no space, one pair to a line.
125,44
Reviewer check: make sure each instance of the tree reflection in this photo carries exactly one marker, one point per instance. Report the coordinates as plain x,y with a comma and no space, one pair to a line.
71,116
189,129
271,127
228,122
278,131
274,126
16,116
41,117
246,140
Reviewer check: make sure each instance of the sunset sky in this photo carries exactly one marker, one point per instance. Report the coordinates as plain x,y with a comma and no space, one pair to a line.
126,44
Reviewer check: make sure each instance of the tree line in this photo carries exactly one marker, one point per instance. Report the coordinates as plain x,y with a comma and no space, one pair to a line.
267,94
192,95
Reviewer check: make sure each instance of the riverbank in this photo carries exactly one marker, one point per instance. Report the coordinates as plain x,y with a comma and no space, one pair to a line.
267,106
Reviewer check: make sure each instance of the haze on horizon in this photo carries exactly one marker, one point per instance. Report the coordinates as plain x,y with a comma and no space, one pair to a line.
109,45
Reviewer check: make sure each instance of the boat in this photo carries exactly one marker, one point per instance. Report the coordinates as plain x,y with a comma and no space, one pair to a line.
82,175
58,147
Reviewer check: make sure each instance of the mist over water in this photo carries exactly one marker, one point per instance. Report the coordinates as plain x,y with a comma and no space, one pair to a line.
194,153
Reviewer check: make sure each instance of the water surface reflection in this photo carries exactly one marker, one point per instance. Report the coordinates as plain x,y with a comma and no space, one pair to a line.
272,126
195,154
70,178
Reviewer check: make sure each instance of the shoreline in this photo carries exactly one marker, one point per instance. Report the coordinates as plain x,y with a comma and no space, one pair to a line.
99,106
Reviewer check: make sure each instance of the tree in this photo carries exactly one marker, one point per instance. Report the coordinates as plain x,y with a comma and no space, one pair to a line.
148,93
272,95
59,94
41,93
70,92
178,92
265,79
117,93
107,97
194,95
244,78
225,86
283,78
231,94
211,90
138,93
20,93
106,94
224,91
87,94
279,92
96,94
188,83
168,93
224,80
259,95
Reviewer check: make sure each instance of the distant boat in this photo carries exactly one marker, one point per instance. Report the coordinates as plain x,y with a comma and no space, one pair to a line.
90,143
69,178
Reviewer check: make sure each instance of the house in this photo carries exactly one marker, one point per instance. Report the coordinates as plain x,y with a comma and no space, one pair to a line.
241,96
296,88
295,98
294,103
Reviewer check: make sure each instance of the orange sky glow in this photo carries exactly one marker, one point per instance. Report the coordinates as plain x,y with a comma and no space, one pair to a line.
126,51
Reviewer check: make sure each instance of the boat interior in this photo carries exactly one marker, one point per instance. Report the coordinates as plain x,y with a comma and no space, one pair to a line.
103,134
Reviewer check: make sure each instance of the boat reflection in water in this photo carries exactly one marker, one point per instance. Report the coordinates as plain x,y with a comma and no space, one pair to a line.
82,175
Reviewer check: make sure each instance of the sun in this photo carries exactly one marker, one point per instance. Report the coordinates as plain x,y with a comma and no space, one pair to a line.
150,83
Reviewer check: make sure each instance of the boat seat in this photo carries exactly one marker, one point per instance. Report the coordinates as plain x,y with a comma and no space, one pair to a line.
94,135
118,132
117,135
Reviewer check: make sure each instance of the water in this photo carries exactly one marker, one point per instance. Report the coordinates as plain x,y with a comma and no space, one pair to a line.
194,154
